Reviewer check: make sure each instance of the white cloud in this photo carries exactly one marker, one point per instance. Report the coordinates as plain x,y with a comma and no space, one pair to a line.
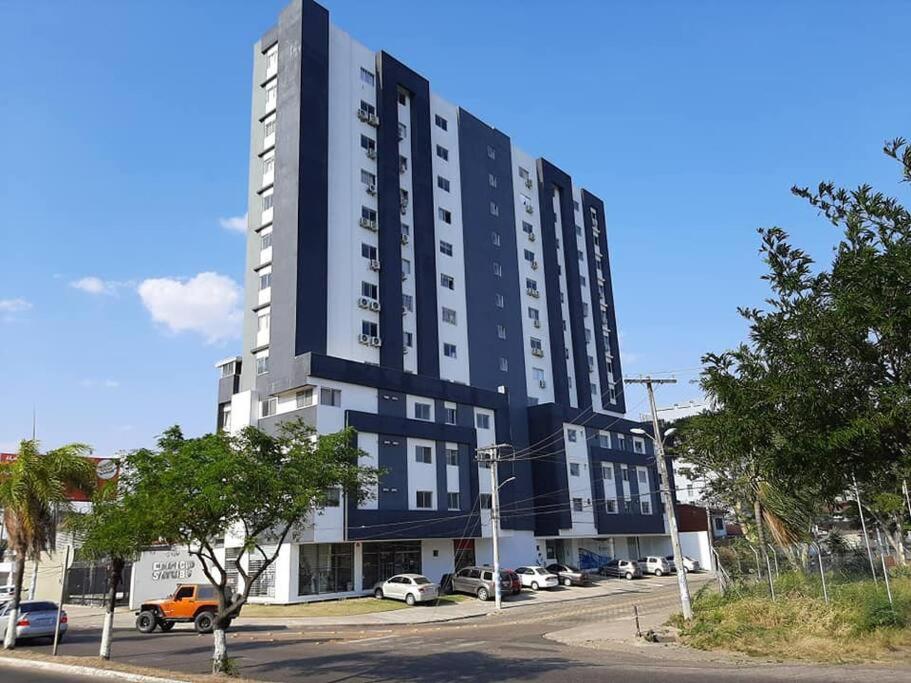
92,284
234,223
208,304
14,305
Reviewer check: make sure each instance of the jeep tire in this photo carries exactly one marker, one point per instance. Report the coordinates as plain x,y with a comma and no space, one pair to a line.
204,622
146,621
166,625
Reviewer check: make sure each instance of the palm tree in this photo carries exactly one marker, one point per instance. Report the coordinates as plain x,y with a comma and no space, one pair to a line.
33,487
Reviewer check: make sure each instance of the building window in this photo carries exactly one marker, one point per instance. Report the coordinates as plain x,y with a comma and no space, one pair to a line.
523,173
330,397
403,131
639,445
368,214
610,506
268,201
538,374
268,165
491,152
228,369
527,228
574,469
575,205
447,281
452,501
449,316
367,77
533,313
406,267
624,473
492,180
529,256
268,407
645,505
452,457
443,183
440,122
577,505
531,284
422,411
269,127
495,238
607,471
424,499
449,350
262,365
265,281
494,209
368,143
497,269
498,299
642,474
604,440
305,398
407,302
409,339
449,415
263,321
444,215
501,331
445,248
571,434
423,455
367,178
368,108
271,95
403,163
484,501
368,251
403,98
265,241
443,153
369,290
482,420
582,281
504,364
535,344
370,328
333,498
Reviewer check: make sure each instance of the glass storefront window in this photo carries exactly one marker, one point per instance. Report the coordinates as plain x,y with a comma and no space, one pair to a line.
382,560
325,568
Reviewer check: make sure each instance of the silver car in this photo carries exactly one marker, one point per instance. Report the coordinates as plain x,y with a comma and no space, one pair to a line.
654,564
36,620
411,588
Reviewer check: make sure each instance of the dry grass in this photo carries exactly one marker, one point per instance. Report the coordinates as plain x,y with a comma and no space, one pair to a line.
858,625
338,608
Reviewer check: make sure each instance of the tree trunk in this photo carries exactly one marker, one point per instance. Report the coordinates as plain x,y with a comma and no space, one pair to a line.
760,531
114,577
220,651
898,539
9,641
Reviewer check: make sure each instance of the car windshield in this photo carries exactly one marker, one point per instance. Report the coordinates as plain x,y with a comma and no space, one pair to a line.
37,607
421,580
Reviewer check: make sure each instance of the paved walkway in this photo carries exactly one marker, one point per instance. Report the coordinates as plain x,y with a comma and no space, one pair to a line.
84,617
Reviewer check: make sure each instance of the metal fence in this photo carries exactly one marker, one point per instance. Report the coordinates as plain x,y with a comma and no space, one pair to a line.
87,584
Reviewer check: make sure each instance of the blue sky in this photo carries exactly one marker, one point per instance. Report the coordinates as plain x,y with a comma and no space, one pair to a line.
124,134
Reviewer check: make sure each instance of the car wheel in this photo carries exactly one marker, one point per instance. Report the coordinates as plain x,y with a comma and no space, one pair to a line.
409,600
483,595
567,582
378,593
204,622
628,576
658,572
534,585
146,622
167,625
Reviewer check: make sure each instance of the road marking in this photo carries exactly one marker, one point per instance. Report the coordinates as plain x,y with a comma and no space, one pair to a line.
370,640
462,646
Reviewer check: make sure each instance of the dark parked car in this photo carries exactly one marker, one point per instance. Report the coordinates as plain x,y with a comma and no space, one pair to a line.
569,575
479,581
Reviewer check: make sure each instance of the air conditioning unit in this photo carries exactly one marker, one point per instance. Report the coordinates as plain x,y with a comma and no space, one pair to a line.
537,352
531,237
532,292
529,208
537,323
374,305
367,223
404,238
375,341
363,115
374,264
401,135
371,189
529,183
373,120
404,208
534,265
542,383
363,302
363,338
404,310
371,153
403,168
404,349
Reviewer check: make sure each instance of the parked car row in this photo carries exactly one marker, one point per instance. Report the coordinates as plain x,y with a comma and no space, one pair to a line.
651,564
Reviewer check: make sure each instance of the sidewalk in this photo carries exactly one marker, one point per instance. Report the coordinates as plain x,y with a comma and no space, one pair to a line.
88,617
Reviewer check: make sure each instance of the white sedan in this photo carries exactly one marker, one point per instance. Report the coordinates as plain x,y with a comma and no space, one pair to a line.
411,588
537,577
689,564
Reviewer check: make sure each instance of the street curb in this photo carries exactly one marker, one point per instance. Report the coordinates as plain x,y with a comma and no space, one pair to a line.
22,663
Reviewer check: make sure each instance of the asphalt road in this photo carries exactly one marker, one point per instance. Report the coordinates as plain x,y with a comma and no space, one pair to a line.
506,647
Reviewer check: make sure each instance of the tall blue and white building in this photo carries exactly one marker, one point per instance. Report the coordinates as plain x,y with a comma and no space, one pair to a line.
414,274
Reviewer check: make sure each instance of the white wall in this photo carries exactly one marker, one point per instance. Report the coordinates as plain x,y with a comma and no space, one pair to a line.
583,523
444,562
158,572
421,476
695,544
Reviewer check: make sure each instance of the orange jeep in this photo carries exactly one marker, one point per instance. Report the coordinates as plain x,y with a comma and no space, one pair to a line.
190,602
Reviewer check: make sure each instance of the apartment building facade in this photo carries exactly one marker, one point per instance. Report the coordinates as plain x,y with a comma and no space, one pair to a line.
413,274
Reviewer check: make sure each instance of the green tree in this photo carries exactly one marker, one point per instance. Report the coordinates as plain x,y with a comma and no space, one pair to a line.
251,485
33,490
115,530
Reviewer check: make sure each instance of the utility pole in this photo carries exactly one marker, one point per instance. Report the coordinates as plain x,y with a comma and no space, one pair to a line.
666,496
863,524
491,455
907,497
